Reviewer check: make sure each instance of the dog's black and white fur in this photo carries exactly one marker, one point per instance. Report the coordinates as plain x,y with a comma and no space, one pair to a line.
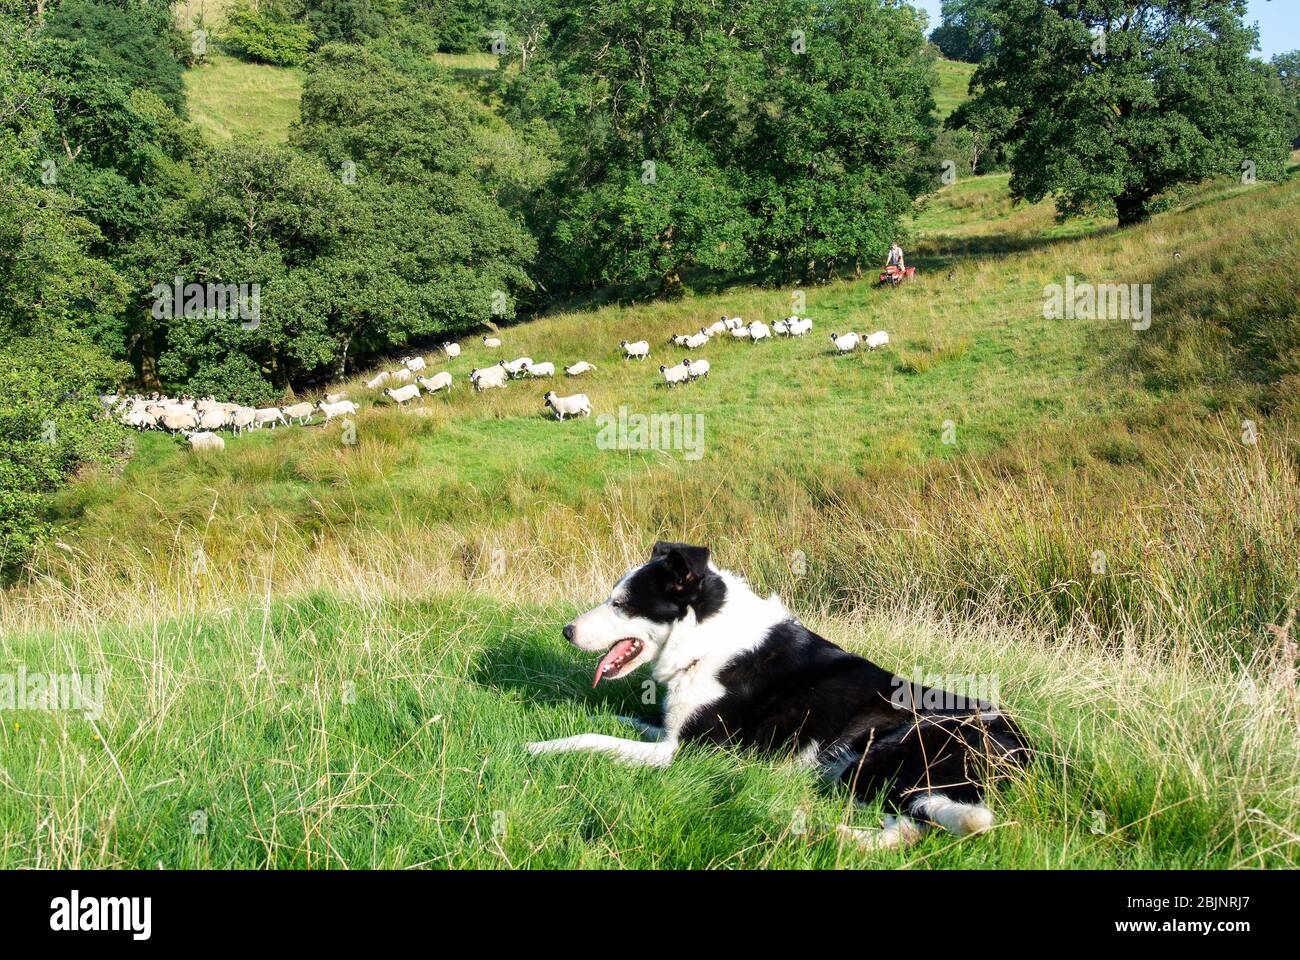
740,669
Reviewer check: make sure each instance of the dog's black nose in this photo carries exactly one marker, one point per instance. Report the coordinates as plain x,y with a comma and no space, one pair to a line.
568,632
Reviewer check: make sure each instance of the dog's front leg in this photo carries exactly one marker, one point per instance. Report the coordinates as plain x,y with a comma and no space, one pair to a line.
632,751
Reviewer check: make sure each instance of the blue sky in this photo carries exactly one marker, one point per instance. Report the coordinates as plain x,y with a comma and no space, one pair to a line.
1279,22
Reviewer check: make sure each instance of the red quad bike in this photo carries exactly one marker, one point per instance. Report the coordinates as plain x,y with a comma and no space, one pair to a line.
894,276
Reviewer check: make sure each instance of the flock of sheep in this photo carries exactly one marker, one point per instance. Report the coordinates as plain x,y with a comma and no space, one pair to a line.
198,420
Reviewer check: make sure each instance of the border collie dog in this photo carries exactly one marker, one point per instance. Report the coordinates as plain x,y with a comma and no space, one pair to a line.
740,669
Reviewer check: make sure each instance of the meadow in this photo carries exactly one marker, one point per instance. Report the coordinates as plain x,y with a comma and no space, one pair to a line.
324,653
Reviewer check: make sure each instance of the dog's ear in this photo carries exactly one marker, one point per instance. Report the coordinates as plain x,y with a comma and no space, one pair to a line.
688,564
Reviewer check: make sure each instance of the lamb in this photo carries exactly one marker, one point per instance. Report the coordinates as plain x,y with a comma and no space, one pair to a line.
733,323
798,327
876,340
451,349
576,405
488,377
337,409
679,339
381,379
715,328
271,415
696,369
782,327
740,333
517,366
758,330
696,341
579,368
402,395
336,397
493,342
299,411
675,375
439,381
846,343
639,349
414,364
400,375
205,442
540,369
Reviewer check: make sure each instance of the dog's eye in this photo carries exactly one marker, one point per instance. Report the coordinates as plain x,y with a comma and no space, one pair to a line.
616,604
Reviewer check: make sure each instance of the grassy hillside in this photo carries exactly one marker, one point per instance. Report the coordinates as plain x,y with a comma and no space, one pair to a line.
229,97
334,650
953,83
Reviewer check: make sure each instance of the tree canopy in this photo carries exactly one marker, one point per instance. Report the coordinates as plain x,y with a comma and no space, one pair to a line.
1117,106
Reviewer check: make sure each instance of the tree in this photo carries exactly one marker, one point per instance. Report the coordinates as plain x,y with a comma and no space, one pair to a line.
772,136
966,30
265,35
127,40
1287,67
1118,104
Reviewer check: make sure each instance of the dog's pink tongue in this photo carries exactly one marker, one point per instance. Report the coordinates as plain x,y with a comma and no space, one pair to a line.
606,662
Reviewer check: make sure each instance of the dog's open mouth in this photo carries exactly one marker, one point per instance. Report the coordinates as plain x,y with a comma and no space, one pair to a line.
619,656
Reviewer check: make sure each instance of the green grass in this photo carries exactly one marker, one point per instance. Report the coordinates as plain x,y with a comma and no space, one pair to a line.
954,82
337,732
231,602
231,98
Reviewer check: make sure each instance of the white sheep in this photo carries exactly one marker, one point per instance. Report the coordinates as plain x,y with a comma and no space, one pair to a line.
451,349
576,405
639,349
337,409
141,420
179,418
492,342
402,395
517,366
679,339
486,378
799,327
715,328
439,381
265,415
740,333
674,375
695,341
845,343
205,442
579,368
540,370
336,397
758,330
414,364
242,419
733,323
299,411
696,369
213,418
876,340
400,375
782,328
379,380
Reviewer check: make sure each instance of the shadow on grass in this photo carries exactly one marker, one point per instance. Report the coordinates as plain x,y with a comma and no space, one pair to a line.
550,672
